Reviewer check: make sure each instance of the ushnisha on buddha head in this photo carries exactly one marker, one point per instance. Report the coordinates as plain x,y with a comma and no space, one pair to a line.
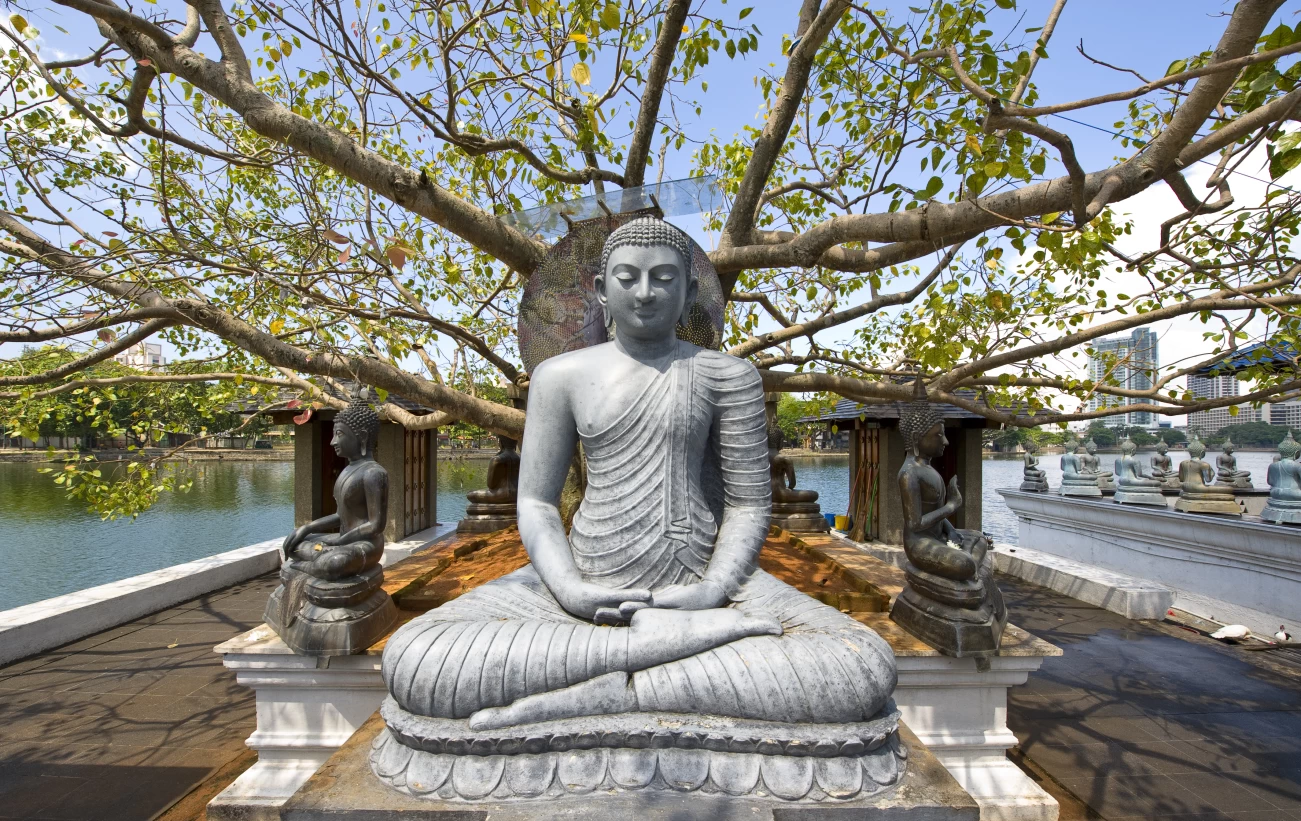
356,430
646,285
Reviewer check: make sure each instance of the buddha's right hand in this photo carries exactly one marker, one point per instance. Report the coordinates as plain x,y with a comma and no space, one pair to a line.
291,541
955,494
583,599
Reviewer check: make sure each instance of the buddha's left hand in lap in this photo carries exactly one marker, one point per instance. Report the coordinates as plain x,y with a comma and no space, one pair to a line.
705,595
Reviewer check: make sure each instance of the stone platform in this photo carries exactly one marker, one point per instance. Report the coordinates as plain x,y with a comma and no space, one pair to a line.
346,790
308,707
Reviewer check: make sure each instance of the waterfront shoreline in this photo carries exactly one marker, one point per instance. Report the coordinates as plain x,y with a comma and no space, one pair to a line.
200,455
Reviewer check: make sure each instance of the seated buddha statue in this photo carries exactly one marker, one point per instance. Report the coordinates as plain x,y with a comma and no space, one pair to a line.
651,612
493,508
1033,480
1226,466
1075,481
793,510
951,601
331,601
1284,476
1197,494
1132,487
1161,468
1093,465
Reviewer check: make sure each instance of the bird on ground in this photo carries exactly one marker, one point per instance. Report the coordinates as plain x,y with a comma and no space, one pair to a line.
1282,634
1231,632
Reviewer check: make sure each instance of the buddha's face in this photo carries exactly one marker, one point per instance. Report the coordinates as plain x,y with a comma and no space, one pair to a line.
346,443
1162,447
933,442
1228,448
1091,448
645,290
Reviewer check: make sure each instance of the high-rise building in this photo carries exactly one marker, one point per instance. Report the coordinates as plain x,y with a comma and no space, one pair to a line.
1208,422
1126,362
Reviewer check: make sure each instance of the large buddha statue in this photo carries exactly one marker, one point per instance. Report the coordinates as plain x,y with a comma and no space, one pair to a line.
1284,476
643,649
1162,469
1033,479
493,508
330,601
1075,481
1196,493
1092,464
1132,487
951,601
1226,467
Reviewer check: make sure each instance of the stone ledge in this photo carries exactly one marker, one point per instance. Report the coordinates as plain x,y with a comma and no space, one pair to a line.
1127,596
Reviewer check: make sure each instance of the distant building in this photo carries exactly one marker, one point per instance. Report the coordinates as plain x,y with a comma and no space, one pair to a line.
1126,362
1219,380
144,356
1207,422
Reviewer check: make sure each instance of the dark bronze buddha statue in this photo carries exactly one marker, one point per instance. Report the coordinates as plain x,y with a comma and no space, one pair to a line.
951,601
796,511
331,601
493,508
1033,479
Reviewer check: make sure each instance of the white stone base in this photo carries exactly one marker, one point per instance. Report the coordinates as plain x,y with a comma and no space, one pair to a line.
960,714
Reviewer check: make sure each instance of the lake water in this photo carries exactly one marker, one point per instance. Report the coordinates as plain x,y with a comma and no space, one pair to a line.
50,545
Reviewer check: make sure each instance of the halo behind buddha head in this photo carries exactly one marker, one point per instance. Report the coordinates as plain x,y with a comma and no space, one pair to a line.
560,312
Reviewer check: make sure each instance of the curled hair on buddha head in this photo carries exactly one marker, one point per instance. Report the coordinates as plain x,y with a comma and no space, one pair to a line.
1289,448
360,418
1030,445
648,232
918,416
1195,448
1127,446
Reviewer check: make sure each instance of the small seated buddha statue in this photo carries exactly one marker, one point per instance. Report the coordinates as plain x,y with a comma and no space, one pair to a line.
644,649
1284,476
1034,480
1197,494
1075,481
1132,487
951,601
1162,469
331,601
1226,466
796,511
494,507
1092,464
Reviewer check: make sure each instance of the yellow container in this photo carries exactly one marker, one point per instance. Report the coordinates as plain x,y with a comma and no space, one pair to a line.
842,523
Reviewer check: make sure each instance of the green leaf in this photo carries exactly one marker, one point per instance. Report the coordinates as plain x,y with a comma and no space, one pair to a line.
18,22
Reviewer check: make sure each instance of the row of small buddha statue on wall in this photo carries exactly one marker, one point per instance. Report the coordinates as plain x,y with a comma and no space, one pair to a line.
1201,487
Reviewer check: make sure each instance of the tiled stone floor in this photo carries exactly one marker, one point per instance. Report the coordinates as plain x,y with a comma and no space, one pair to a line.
1136,720
1144,720
122,724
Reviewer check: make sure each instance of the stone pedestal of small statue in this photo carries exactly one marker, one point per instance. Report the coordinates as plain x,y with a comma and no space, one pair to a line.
493,509
1284,476
642,652
1033,480
1092,464
1197,494
1075,481
796,511
331,601
951,601
1132,487
1162,469
1226,467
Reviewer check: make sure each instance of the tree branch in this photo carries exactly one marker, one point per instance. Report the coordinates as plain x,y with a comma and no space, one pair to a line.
666,45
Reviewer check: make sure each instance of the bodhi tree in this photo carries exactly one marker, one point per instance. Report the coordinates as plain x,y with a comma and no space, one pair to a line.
301,193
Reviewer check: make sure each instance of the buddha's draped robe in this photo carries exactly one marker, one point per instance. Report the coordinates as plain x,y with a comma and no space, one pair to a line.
688,452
